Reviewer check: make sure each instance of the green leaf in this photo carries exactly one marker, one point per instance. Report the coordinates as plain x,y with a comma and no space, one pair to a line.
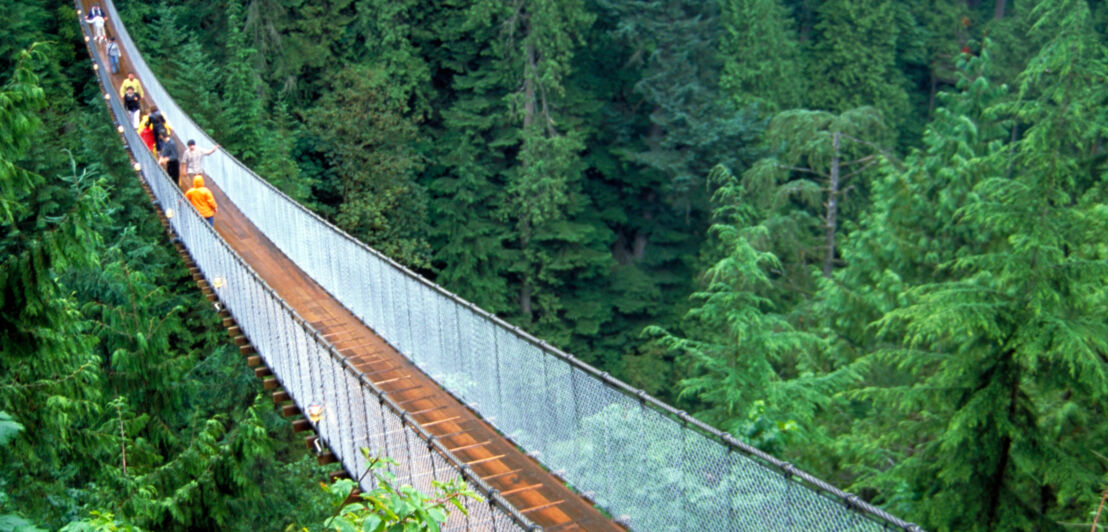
372,523
9,427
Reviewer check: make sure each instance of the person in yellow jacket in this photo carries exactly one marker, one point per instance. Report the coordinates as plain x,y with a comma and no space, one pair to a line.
201,198
132,82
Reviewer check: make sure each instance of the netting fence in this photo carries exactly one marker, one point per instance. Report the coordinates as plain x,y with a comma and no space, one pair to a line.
358,414
650,466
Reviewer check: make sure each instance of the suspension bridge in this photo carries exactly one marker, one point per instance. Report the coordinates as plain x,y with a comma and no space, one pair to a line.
383,359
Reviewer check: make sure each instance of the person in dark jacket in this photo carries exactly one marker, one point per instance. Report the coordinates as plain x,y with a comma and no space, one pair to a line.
170,157
132,102
158,124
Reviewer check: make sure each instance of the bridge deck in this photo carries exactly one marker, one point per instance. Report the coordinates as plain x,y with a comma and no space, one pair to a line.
540,496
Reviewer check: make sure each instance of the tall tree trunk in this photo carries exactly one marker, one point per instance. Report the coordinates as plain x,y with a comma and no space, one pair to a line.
933,92
996,482
525,299
832,205
525,304
529,88
999,8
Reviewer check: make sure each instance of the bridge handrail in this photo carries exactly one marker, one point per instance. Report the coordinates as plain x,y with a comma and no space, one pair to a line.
299,356
385,294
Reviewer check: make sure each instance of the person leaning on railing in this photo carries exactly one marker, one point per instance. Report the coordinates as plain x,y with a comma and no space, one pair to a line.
194,158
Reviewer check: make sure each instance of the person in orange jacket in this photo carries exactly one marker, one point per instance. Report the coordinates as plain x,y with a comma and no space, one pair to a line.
201,198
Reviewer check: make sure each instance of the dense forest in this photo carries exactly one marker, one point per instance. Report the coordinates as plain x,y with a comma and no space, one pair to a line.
122,402
864,235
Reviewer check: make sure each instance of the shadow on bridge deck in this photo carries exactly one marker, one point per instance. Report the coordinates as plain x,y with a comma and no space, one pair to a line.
540,496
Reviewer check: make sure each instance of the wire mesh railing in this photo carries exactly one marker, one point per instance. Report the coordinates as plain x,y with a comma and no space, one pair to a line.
309,368
652,467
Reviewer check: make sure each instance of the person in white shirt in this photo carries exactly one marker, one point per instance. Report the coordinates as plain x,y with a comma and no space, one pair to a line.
194,158
98,29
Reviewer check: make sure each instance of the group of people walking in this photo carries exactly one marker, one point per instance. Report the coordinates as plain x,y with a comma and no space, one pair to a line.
154,129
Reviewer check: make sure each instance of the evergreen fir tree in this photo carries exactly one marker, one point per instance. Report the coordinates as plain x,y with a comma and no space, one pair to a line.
471,135
666,128
47,371
741,354
820,165
854,59
367,139
1004,359
241,104
761,56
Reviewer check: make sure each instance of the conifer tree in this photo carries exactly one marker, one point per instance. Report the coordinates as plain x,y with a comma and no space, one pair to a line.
910,229
541,245
544,187
166,38
367,139
742,355
853,59
469,239
1005,358
47,371
241,104
822,158
666,127
391,33
193,81
761,56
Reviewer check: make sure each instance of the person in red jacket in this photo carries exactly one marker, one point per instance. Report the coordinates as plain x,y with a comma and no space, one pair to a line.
201,198
146,133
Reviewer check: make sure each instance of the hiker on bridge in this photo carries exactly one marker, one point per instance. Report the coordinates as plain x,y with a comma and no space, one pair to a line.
96,19
157,122
201,198
146,133
132,102
194,158
133,83
170,158
113,54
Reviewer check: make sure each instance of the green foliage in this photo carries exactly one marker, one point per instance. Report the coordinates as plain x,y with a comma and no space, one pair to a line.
140,413
100,522
553,162
9,427
739,352
762,64
1007,348
47,375
815,176
854,59
391,507
241,104
366,137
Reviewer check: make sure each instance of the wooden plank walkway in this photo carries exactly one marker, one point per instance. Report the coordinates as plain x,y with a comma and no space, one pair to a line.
540,496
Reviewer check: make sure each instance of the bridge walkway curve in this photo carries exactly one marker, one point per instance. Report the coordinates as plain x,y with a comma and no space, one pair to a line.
535,492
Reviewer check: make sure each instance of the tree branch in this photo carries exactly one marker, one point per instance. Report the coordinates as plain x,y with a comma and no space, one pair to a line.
122,436
1099,508
858,171
799,169
884,153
